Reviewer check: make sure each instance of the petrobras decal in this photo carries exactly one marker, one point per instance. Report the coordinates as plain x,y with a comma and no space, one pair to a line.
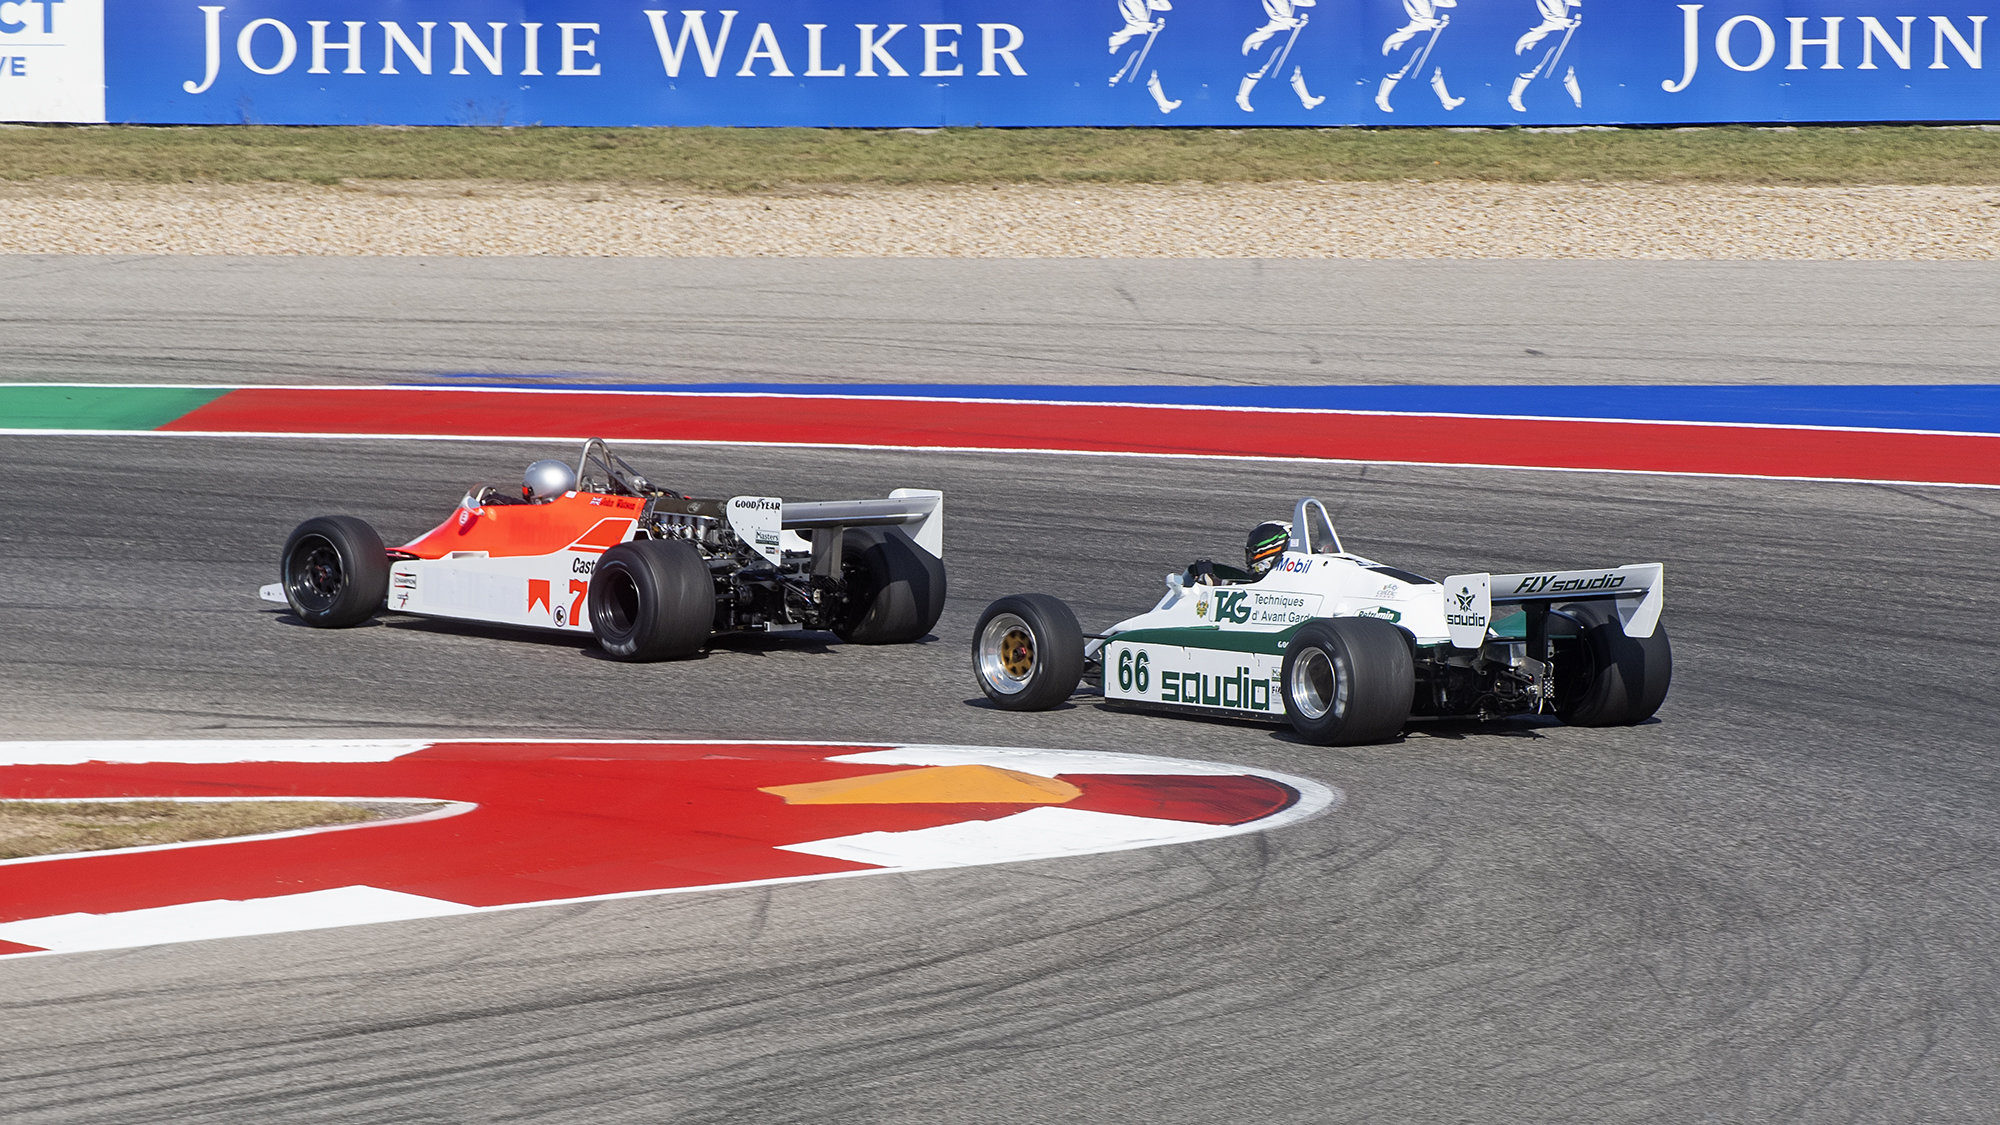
1253,607
995,62
1193,677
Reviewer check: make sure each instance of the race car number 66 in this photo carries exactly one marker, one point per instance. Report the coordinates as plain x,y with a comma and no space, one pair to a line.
1132,672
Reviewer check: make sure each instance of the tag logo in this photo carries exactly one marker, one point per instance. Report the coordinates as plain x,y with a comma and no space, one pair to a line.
1232,606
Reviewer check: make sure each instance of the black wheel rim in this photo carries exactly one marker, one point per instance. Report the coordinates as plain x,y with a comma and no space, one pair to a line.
315,576
858,578
618,605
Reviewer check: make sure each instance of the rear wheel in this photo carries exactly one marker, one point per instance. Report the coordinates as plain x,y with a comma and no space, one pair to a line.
1027,652
1348,681
1610,679
895,588
652,599
335,572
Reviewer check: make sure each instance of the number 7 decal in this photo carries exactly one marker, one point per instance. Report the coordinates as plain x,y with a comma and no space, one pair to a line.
579,587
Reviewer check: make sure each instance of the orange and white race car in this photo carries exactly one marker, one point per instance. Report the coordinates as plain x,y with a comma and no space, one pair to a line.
651,573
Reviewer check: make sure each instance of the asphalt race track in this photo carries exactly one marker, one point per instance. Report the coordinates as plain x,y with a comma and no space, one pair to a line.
1780,901
373,320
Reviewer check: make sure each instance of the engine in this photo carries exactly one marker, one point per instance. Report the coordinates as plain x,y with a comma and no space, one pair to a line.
751,593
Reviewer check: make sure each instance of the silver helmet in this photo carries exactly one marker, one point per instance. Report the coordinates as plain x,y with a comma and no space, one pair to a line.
546,480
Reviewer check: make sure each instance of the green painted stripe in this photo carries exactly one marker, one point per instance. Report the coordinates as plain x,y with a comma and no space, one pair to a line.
1212,638
99,408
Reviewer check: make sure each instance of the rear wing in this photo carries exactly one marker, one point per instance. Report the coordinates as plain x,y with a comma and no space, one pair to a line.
761,520
1636,591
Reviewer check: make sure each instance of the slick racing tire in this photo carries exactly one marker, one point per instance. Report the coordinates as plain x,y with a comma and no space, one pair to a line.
652,599
1348,681
895,588
334,572
1027,652
1608,679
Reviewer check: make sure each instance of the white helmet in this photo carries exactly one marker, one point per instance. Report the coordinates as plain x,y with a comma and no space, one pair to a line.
546,480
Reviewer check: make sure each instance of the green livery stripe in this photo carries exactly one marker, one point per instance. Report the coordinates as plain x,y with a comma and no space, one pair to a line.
1211,638
99,408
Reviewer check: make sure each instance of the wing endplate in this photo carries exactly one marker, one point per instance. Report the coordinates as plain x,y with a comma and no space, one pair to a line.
1468,608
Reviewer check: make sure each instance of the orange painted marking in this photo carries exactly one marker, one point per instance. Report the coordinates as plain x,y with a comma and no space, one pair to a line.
511,530
606,535
933,785
538,594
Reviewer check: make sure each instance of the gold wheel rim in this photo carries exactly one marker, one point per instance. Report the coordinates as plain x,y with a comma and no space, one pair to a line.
1017,653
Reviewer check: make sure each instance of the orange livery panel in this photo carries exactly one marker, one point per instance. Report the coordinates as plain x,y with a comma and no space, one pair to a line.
589,522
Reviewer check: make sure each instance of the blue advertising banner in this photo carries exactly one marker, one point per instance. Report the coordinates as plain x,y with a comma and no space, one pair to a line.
886,63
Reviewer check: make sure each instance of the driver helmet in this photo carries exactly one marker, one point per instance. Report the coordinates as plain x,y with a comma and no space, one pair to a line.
546,480
1267,541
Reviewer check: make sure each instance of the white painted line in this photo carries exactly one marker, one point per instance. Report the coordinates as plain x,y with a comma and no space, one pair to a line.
861,447
207,751
778,391
1043,833
221,918
1042,763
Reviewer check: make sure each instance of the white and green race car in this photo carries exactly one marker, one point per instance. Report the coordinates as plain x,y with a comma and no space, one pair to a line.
1345,649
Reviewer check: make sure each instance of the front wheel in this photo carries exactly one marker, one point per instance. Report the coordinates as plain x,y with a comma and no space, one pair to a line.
334,571
1348,681
1027,652
652,599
